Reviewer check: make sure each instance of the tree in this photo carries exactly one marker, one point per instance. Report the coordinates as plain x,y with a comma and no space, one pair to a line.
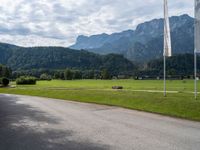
56,75
62,76
171,72
91,74
4,81
105,74
77,75
5,71
68,74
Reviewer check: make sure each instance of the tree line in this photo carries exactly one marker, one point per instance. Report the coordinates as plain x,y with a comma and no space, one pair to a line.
66,74
178,66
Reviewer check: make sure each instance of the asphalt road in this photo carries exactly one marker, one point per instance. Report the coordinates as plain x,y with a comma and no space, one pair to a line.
32,123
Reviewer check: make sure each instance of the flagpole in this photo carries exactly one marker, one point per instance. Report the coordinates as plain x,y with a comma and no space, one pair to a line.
164,54
165,76
195,52
164,59
195,74
167,49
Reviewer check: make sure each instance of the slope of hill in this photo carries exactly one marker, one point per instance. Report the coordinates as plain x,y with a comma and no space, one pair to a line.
19,58
145,42
178,65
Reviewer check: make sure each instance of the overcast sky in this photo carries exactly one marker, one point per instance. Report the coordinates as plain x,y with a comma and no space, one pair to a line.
59,22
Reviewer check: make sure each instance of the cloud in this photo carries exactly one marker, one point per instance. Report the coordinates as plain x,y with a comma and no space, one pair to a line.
50,22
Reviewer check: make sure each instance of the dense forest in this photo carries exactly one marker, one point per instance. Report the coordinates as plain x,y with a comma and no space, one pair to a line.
57,58
178,65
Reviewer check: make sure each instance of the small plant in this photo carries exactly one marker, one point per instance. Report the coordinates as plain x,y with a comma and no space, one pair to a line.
4,82
23,80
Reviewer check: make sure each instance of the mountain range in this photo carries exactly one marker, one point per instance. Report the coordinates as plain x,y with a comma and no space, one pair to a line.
145,43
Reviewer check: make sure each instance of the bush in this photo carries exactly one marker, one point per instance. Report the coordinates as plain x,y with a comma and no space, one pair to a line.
45,76
26,80
4,81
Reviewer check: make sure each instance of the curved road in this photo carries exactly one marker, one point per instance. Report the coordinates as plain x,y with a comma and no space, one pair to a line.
32,123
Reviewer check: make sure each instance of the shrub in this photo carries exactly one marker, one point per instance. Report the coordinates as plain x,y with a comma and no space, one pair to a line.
26,80
4,81
45,76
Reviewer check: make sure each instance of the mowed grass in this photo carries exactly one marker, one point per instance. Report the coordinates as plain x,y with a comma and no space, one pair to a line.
180,104
172,85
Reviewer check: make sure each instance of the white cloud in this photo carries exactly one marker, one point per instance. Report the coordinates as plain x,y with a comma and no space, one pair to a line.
50,22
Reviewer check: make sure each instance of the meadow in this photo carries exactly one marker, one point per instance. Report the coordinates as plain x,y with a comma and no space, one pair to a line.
143,95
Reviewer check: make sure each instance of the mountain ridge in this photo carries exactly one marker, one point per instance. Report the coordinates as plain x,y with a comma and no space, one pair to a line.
145,40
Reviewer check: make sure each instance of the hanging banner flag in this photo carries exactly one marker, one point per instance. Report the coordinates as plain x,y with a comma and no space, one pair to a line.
197,25
167,35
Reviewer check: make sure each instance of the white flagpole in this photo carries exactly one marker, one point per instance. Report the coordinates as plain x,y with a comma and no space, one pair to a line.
195,51
164,49
195,74
165,76
167,41
164,53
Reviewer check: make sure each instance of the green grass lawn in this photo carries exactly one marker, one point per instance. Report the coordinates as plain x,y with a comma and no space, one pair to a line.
181,104
173,85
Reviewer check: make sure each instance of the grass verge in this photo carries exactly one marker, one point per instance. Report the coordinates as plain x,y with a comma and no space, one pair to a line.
180,105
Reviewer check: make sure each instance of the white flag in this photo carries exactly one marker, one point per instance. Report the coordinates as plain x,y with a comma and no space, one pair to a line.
197,25
167,35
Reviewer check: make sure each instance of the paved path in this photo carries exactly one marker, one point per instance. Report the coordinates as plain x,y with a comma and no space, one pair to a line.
32,123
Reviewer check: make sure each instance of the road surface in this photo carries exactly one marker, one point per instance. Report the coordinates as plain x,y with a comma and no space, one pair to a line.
32,123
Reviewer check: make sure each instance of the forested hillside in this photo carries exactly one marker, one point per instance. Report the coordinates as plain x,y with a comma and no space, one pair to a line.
57,58
178,65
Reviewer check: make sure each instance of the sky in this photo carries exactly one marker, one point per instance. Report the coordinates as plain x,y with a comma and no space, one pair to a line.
59,22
